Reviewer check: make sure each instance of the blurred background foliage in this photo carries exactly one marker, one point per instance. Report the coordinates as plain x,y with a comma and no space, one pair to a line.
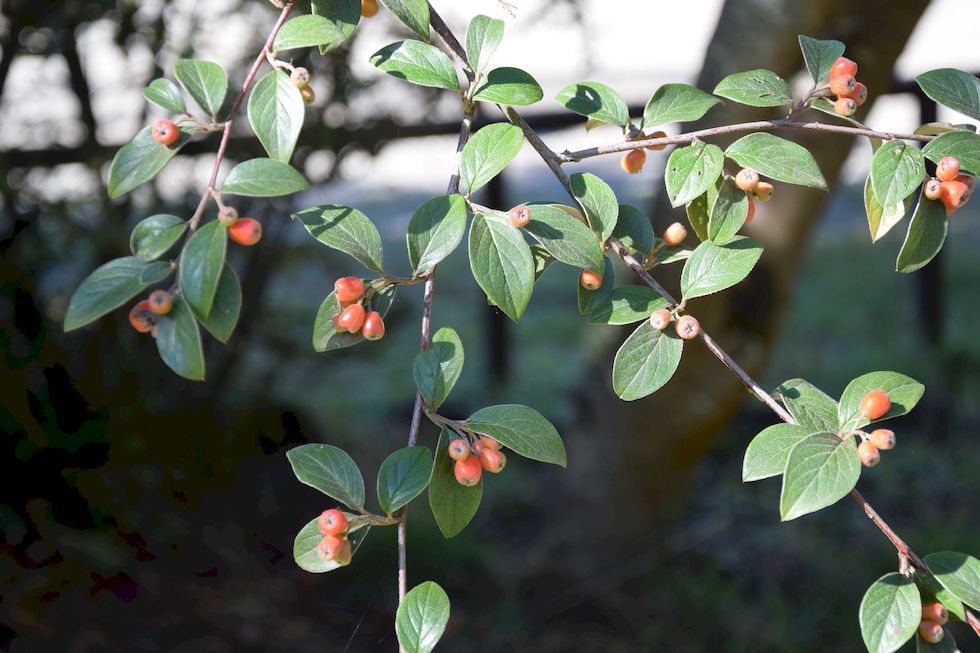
141,512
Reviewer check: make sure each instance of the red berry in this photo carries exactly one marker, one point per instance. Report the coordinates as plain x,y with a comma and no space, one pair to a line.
933,189
968,180
955,194
868,453
843,66
747,179
931,631
165,132
348,290
751,212
687,327
374,326
369,8
246,231
763,192
468,471
845,106
656,134
875,404
142,318
329,547
333,522
935,612
352,318
882,438
519,216
633,161
300,77
675,234
948,168
228,216
860,93
843,85
161,302
660,318
492,460
343,554
459,449
590,280
486,442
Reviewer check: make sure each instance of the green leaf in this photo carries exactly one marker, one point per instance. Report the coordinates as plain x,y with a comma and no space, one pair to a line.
483,37
880,218
925,237
275,111
542,260
959,573
434,231
179,341
699,211
677,103
890,613
820,470
403,476
953,88
414,13
633,229
628,304
139,160
897,169
964,145
501,263
645,361
487,153
510,86
712,268
728,213
946,645
110,286
345,229
418,63
590,300
205,81
692,170
757,88
521,429
777,158
155,272
423,614
453,505
768,452
809,405
308,31
565,238
155,235
165,94
325,336
903,391
330,470
227,305
596,101
201,264
308,539
819,56
263,178
437,368
345,14
598,202
933,588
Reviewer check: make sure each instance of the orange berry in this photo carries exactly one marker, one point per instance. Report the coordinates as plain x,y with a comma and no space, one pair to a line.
763,192
300,77
675,234
329,547
868,453
161,302
374,326
687,327
352,318
309,95
968,180
935,611
843,66
333,522
228,216
859,94
843,85
747,179
932,189
459,449
931,631
590,280
884,439
875,404
633,161
519,216
247,231
948,168
343,554
845,106
348,289
369,8
955,194
492,460
660,318
656,134
468,471
165,132
142,318
751,212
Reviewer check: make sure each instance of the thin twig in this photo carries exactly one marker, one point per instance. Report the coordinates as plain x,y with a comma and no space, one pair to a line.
450,42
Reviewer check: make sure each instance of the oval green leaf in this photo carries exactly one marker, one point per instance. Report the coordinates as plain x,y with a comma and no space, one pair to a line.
201,264
598,202
959,573
403,476
897,169
437,368
453,505
889,613
964,145
502,264
422,616
565,238
691,171
179,341
728,212
676,103
418,63
821,469
521,429
414,13
628,304
809,405
227,305
596,101
633,229
345,229
107,288
903,391
308,31
165,94
435,230
487,153
155,235
263,178
767,454
330,470
757,88
712,268
953,88
777,158
510,86
819,56
275,111
205,81
140,160
925,237
645,362
881,219
308,539
483,36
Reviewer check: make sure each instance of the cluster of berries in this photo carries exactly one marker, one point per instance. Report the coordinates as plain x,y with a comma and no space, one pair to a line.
949,186
301,78
143,317
632,162
934,615
875,405
334,546
849,91
749,181
352,316
472,458
686,326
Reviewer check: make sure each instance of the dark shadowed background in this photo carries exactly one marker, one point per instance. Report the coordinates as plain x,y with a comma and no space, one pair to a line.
142,512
